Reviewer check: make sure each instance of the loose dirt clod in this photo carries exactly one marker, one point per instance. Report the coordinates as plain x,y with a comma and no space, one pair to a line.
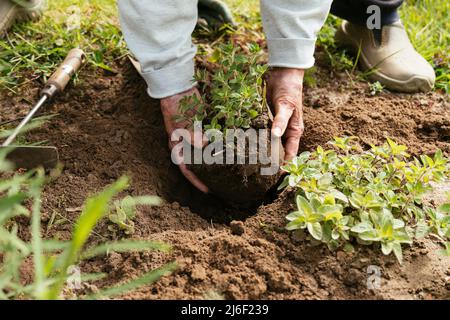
237,228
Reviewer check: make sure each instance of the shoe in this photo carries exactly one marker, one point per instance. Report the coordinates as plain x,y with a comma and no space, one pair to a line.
18,10
214,13
389,57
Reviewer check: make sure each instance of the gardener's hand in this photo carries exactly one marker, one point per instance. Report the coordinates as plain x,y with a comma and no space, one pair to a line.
170,109
284,94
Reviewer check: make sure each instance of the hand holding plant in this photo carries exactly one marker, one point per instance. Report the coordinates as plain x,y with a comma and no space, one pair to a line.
170,108
284,94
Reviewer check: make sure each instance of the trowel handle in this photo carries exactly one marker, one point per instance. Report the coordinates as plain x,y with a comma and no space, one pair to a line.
59,80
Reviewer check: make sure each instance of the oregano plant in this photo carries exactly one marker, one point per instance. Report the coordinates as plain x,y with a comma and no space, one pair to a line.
233,93
371,196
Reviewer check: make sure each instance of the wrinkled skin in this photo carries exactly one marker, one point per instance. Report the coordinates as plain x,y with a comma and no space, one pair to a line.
170,109
284,95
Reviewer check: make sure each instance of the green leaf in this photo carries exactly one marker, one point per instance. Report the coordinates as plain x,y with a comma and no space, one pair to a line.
331,212
329,199
398,224
295,215
386,247
335,235
387,226
401,236
295,225
315,229
348,247
325,180
104,67
304,206
339,195
422,229
93,211
445,208
356,200
253,113
397,248
7,203
369,236
361,227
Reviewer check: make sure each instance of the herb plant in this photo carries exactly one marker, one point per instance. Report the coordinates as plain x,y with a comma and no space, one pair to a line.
233,94
373,196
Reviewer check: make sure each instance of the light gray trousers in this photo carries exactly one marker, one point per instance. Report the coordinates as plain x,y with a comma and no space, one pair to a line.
158,33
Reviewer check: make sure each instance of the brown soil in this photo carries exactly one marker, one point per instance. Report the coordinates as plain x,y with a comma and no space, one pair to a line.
107,126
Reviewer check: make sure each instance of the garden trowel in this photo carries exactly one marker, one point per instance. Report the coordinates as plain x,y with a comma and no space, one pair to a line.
29,157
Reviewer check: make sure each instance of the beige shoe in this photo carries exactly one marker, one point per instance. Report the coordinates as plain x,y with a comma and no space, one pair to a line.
393,61
18,10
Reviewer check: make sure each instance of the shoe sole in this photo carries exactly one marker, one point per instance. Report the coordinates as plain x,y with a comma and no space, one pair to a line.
411,85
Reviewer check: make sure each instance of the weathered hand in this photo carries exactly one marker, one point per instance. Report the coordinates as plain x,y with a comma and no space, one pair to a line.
284,94
170,109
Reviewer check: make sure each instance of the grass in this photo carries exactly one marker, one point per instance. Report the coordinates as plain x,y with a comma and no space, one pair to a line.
52,259
427,23
31,50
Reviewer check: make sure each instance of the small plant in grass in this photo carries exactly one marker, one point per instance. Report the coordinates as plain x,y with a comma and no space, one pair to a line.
20,195
124,212
375,88
373,196
233,93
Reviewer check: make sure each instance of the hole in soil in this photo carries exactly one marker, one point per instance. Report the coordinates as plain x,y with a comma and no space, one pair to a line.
210,206
436,131
147,150
151,165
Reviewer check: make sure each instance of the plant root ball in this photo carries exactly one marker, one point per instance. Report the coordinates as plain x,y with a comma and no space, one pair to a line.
239,185
237,228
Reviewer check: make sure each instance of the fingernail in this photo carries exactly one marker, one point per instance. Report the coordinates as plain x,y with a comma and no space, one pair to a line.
277,132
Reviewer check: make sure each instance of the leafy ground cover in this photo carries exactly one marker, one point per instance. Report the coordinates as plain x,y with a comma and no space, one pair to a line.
371,196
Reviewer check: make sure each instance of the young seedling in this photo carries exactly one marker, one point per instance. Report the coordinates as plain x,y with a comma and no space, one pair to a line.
125,211
233,95
375,88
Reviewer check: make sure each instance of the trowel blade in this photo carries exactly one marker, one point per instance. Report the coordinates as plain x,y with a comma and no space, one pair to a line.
30,157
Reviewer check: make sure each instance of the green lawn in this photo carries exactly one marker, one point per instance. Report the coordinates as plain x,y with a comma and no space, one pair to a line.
31,50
